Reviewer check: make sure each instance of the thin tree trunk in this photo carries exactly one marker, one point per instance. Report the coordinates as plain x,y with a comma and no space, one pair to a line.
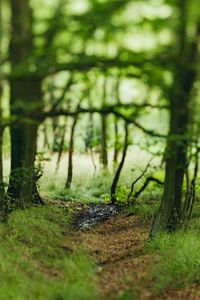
90,146
116,144
61,146
104,152
144,186
70,154
56,134
116,128
190,195
120,167
46,140
93,160
62,142
137,180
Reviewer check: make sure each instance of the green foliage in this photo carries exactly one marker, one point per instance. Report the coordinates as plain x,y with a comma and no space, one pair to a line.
122,194
84,189
179,260
33,262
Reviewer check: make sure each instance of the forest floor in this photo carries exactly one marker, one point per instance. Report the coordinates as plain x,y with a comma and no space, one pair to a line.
117,245
71,250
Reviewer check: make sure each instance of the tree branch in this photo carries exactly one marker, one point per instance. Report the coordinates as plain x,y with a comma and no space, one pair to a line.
113,109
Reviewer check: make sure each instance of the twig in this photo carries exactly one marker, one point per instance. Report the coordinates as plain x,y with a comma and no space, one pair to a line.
138,178
146,183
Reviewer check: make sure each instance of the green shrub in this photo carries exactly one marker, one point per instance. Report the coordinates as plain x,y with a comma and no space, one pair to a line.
122,194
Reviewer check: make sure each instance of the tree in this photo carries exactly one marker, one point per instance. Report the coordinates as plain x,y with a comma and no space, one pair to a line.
1,115
169,214
120,167
104,146
25,102
70,153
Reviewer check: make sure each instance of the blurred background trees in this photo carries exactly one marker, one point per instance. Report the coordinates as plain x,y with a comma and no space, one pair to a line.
76,71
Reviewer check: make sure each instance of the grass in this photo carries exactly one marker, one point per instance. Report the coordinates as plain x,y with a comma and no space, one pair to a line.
95,190
176,265
34,264
176,257
179,260
144,208
90,187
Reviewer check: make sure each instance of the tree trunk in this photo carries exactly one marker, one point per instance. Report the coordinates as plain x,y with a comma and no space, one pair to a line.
25,100
116,128
104,153
1,116
116,144
56,134
119,169
62,141
70,154
168,217
46,140
61,146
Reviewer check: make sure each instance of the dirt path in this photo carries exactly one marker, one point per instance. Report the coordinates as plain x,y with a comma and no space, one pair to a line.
117,245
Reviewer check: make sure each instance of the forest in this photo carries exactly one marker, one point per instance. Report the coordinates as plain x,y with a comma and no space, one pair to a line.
99,149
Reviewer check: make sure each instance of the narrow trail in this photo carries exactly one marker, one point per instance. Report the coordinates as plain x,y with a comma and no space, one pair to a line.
117,245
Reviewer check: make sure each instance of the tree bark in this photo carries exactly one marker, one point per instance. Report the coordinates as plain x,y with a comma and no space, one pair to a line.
168,217
104,152
25,100
120,167
61,146
116,143
116,127
70,154
1,116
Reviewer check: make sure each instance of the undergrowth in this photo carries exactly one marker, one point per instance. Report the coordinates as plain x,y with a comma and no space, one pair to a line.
91,190
176,259
179,260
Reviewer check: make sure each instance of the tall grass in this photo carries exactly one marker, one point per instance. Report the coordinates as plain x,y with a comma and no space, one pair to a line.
179,260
